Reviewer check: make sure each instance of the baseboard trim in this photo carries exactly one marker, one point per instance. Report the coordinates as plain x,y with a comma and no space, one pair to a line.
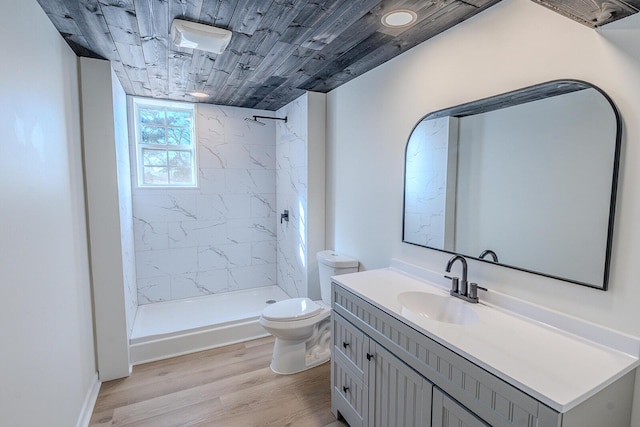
89,402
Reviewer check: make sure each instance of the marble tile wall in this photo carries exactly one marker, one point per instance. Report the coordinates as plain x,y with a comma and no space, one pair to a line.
125,202
221,236
291,178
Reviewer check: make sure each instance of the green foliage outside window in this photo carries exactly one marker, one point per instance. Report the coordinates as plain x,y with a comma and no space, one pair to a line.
165,145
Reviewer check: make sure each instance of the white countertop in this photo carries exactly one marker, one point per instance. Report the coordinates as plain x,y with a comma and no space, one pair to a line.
558,368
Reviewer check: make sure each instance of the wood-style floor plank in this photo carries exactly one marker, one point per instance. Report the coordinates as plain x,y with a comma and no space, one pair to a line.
229,386
181,373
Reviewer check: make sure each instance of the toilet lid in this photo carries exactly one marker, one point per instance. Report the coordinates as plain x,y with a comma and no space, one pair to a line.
291,309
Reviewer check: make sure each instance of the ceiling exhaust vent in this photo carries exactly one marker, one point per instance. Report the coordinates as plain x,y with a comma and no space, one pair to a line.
199,36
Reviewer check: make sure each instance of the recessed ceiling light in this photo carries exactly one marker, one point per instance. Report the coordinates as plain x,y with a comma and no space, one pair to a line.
199,94
399,18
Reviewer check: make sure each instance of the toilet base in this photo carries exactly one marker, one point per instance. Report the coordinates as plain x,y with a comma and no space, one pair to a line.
293,356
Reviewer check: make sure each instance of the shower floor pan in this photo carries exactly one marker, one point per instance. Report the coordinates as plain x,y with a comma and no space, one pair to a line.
173,328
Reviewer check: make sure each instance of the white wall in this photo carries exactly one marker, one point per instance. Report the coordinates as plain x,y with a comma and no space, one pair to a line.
221,236
111,260
300,185
514,44
47,368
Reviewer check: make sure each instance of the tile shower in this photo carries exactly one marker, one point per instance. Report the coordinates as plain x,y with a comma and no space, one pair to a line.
220,249
221,236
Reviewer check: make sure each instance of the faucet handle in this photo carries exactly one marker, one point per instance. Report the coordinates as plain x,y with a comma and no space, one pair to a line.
455,282
473,290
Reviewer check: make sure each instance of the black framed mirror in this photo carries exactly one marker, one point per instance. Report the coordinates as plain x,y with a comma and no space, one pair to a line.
525,179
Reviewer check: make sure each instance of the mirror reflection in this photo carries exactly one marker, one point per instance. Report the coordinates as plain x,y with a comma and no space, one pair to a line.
525,179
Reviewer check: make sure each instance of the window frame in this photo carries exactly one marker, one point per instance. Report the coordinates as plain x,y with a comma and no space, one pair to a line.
139,146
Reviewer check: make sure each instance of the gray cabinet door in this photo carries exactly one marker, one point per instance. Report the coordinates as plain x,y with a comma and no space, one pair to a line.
449,413
401,397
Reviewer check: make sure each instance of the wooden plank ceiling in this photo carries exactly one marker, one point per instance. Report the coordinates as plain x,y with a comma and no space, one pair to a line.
593,13
279,48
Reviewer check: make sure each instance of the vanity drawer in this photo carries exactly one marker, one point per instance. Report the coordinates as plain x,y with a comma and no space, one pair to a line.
492,399
349,396
349,342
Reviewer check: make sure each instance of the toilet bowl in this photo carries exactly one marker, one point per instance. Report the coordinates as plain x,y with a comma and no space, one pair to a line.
302,327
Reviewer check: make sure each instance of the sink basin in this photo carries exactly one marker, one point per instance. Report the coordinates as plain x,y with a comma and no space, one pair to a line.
439,308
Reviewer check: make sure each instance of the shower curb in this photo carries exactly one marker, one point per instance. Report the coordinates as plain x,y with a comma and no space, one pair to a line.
151,349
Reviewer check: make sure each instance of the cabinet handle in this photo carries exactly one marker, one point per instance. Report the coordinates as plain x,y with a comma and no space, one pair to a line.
345,344
369,356
345,388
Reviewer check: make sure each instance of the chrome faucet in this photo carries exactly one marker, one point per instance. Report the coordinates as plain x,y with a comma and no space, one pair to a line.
489,252
460,288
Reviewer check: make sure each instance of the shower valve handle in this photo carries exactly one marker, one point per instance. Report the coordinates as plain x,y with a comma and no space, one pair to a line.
284,216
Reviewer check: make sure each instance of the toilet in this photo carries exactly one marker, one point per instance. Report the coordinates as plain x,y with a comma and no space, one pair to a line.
302,327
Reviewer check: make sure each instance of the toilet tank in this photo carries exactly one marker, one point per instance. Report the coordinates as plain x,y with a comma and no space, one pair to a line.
330,264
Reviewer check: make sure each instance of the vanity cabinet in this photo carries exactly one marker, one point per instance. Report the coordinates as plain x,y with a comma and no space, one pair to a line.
503,370
386,373
384,368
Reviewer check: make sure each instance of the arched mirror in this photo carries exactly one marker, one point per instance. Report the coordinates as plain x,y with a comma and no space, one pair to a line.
525,179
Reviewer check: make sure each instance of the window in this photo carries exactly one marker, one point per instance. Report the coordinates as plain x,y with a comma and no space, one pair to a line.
165,143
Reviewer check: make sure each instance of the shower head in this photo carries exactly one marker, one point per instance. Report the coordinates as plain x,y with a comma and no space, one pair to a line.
255,120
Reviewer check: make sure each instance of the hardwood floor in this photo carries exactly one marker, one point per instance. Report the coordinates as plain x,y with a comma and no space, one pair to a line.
228,386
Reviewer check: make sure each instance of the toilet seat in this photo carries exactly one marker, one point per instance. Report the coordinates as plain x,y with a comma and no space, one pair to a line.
293,309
